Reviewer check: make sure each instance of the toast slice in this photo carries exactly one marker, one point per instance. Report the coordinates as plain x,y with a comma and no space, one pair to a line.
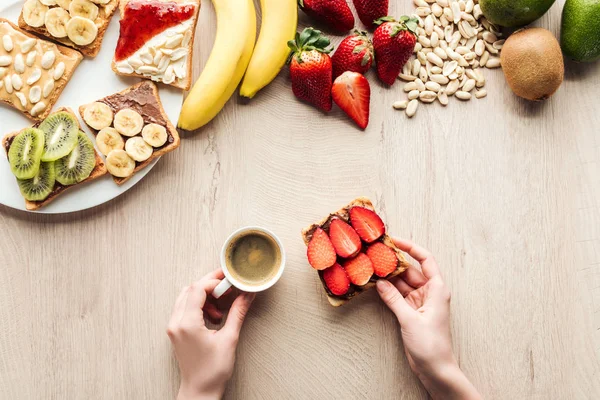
142,98
98,171
25,62
164,57
103,16
343,213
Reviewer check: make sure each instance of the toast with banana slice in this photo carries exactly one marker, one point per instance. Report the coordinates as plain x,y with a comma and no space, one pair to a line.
132,129
50,185
162,49
79,24
351,250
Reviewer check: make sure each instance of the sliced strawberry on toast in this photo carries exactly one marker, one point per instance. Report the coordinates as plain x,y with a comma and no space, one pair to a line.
367,224
359,269
383,258
321,253
337,280
344,238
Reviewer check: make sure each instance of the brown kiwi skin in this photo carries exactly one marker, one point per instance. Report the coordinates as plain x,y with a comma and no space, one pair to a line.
533,64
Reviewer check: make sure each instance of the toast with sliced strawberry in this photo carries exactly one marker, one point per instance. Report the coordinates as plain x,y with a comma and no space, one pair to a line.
351,250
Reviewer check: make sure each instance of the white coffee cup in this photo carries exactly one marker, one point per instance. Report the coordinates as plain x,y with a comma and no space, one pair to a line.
230,280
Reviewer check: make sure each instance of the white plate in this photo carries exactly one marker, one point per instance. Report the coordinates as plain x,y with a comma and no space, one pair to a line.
92,80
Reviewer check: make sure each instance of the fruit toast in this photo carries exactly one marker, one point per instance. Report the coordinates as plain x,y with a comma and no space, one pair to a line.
161,49
351,251
80,24
33,72
131,129
77,165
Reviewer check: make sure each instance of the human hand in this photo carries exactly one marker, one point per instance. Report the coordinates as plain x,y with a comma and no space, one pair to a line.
206,357
421,302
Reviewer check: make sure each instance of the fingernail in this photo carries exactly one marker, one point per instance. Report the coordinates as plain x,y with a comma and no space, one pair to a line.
249,297
383,285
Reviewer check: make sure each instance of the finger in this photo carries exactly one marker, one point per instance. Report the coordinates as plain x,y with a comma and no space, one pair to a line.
394,300
216,274
178,308
214,314
422,255
414,277
197,297
237,314
402,286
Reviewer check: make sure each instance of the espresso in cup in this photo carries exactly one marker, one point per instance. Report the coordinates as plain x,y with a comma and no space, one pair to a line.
253,258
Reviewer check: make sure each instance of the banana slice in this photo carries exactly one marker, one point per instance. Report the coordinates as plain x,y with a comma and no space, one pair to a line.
34,13
84,9
48,2
57,19
98,116
81,31
128,122
138,149
64,3
109,139
119,164
155,135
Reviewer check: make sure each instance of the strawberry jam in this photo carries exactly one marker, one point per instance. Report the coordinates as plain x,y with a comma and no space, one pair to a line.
145,19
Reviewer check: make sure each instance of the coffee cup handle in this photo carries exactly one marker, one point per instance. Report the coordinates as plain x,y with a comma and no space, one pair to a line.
221,288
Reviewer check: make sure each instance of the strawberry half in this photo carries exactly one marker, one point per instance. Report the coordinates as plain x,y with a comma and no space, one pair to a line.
367,224
334,14
354,53
394,42
359,269
345,239
311,68
337,280
352,93
383,258
320,253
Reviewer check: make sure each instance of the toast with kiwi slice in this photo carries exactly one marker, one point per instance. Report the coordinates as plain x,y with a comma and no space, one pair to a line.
352,257
72,165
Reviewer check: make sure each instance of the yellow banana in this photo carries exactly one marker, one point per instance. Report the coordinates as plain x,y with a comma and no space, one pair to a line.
232,50
279,23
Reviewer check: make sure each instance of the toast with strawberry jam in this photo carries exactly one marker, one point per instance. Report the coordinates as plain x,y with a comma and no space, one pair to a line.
351,250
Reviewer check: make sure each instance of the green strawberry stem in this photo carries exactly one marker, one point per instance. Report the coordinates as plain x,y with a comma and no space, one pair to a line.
405,23
310,39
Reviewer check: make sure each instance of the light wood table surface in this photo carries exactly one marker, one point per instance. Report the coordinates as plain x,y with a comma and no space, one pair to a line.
505,193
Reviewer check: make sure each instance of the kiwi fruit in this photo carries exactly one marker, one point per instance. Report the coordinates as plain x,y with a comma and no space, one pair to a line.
532,63
41,185
78,164
25,153
60,130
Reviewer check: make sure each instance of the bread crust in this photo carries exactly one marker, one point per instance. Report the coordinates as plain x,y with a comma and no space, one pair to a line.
92,49
343,213
186,83
130,91
98,171
53,98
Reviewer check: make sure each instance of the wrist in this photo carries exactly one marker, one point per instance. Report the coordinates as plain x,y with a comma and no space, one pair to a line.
447,381
189,392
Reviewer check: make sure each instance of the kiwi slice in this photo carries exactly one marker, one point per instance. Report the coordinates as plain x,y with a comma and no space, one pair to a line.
79,164
25,153
60,130
41,185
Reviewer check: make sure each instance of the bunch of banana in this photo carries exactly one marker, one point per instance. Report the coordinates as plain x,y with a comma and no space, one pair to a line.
279,23
234,43
234,54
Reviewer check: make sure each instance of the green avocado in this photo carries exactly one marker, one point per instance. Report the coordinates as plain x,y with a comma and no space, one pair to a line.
514,13
580,32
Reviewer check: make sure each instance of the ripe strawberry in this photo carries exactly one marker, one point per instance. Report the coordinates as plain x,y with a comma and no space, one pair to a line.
383,258
394,42
334,14
371,10
359,269
336,279
355,53
352,93
310,68
345,239
367,224
320,253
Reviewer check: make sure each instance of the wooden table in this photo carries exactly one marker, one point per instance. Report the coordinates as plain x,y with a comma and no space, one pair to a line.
505,193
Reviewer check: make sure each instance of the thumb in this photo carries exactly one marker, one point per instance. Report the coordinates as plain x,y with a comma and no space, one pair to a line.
237,314
394,300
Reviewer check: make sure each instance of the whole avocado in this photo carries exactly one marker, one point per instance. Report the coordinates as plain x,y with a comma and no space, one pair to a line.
580,31
514,13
